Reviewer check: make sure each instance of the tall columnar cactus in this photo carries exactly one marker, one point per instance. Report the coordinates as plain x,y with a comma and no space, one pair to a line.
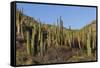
66,39
79,40
51,35
55,36
85,37
84,40
89,44
61,30
17,22
19,19
40,39
58,32
92,40
29,39
38,28
48,37
21,22
70,36
28,43
32,40
41,45
39,31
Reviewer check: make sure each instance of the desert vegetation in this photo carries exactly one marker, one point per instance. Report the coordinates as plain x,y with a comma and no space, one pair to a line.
38,43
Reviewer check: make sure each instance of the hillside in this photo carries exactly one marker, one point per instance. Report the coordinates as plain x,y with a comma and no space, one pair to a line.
39,43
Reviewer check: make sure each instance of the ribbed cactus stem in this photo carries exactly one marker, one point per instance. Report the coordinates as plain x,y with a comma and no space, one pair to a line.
32,42
21,29
58,32
21,16
41,45
39,31
40,39
48,38
79,40
18,27
28,43
70,37
88,45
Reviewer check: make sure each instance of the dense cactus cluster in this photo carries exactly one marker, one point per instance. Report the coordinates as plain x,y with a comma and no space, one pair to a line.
33,38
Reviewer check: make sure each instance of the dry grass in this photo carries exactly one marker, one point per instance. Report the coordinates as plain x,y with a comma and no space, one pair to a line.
56,55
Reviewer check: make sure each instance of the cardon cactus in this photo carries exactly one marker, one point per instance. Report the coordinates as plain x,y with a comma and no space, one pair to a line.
89,44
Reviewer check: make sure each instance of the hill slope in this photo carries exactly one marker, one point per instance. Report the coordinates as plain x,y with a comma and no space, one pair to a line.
39,43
